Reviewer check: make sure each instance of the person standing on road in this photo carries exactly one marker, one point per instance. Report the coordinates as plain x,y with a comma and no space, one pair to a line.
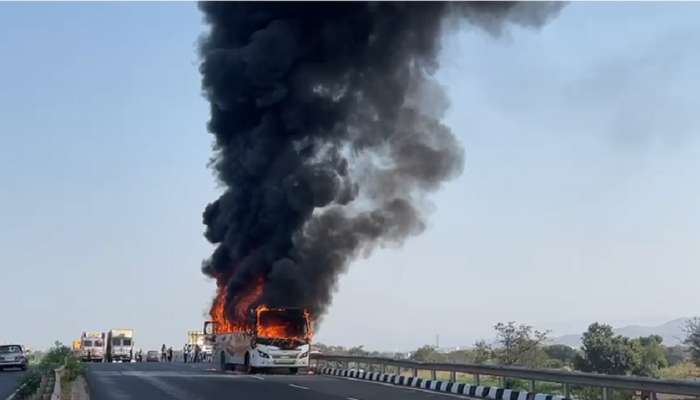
163,354
184,353
196,353
170,354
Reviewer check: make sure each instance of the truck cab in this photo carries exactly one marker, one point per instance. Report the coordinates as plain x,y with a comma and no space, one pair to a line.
120,345
92,346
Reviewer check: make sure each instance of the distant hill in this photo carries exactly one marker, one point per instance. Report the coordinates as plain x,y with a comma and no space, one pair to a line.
671,331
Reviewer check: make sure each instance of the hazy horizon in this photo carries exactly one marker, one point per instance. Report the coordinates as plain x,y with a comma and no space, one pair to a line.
576,205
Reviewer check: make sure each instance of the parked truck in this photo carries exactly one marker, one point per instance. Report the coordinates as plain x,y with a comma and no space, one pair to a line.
274,338
92,346
120,345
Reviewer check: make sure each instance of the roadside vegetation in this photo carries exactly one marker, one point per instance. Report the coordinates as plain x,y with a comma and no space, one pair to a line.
693,339
602,351
39,380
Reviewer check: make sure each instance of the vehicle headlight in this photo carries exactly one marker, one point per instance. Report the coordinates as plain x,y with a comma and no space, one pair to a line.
304,354
263,354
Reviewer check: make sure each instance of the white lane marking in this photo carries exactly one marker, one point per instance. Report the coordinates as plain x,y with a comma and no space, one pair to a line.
352,398
258,377
298,386
407,388
12,396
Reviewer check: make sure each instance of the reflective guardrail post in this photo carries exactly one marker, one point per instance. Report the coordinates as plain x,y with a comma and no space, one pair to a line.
568,381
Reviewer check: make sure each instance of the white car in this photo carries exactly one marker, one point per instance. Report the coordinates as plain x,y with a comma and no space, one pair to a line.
12,356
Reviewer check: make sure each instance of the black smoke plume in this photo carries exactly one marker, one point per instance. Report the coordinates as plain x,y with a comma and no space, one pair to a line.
328,135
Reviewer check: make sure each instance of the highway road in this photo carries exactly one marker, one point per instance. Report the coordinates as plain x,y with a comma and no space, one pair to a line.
159,381
8,382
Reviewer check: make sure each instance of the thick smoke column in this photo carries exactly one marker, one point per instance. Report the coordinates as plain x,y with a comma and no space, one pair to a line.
328,136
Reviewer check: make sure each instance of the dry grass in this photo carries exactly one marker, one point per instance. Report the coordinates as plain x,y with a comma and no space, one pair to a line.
685,371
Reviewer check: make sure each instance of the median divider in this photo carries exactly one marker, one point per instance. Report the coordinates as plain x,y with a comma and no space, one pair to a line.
476,391
56,393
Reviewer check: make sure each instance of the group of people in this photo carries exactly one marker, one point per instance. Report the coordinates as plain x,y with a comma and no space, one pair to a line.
192,353
166,354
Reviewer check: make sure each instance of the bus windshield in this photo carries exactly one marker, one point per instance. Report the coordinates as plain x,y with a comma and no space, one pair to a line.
282,324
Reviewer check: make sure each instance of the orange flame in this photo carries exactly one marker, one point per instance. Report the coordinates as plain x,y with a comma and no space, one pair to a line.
281,329
238,322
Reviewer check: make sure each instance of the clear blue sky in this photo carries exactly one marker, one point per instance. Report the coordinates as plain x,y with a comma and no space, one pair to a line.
579,200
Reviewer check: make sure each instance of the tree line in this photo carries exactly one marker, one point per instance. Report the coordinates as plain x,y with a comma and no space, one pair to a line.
602,351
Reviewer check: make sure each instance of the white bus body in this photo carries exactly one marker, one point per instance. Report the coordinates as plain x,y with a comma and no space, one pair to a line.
251,351
198,338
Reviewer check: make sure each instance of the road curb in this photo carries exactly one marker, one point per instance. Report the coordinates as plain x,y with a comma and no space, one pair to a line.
483,392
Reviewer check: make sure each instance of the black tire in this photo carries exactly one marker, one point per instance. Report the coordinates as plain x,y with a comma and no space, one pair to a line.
247,369
23,367
294,371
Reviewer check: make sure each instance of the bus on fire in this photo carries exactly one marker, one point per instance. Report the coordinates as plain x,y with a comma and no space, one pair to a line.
272,339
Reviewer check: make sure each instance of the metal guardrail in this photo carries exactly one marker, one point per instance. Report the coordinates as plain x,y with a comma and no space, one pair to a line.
568,379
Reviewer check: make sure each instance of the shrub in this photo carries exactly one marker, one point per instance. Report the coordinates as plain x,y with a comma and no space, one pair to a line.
54,358
73,368
29,383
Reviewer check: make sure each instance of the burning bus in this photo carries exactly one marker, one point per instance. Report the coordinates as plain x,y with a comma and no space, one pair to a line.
271,339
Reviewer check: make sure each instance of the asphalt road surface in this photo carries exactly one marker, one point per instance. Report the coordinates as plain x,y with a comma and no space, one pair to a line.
159,381
8,382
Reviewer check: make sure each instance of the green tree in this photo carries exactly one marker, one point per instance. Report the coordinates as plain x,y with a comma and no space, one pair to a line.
519,344
675,354
561,353
649,356
461,356
57,354
358,351
482,352
604,352
428,354
330,349
693,340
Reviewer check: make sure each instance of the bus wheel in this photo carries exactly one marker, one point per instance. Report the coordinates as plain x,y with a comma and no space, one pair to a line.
294,371
247,368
